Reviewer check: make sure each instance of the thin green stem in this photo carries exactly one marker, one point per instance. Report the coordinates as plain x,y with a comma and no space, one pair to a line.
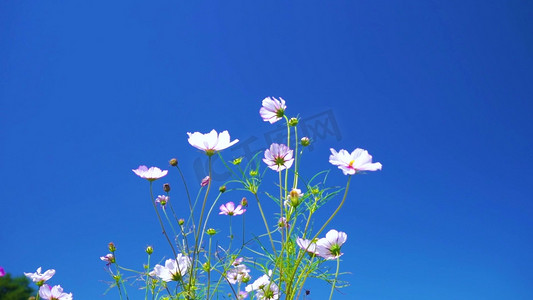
335,280
301,253
187,191
147,278
266,224
160,221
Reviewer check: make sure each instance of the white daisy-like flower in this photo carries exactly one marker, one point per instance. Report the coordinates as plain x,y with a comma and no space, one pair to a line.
273,109
39,277
355,162
150,174
211,142
330,246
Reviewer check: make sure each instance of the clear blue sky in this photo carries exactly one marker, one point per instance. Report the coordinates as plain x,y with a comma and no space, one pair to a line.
438,92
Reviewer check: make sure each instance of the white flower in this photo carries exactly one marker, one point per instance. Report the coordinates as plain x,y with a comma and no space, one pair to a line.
352,163
55,293
237,274
273,110
211,142
307,245
109,258
264,288
39,277
173,270
151,173
278,157
330,246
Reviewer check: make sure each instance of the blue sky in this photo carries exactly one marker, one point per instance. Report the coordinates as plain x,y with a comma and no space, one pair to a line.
438,92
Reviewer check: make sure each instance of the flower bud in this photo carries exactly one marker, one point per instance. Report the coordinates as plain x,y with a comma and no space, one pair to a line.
222,189
305,141
237,161
205,181
293,122
211,231
112,247
244,201
149,250
245,279
206,266
173,162
181,222
253,173
166,187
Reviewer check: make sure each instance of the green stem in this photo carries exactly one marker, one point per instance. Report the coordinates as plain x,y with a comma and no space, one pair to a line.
160,221
300,255
335,280
187,191
147,278
266,224
195,249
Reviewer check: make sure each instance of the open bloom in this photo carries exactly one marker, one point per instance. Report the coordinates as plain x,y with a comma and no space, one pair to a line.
162,200
2,272
273,110
55,293
242,295
352,163
264,289
278,157
238,274
39,277
229,209
151,173
330,246
109,258
307,245
173,270
211,142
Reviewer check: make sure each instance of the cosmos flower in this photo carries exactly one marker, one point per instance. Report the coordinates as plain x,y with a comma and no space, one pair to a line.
278,157
273,110
294,198
39,277
330,246
229,209
173,270
242,295
55,293
307,245
352,163
162,199
264,289
205,181
109,259
150,174
282,223
211,142
238,274
2,272
237,261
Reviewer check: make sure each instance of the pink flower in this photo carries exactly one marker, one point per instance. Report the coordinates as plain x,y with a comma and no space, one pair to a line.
39,277
205,181
55,293
229,209
109,259
330,246
273,110
162,199
352,163
2,272
150,174
307,245
242,295
238,274
211,142
278,157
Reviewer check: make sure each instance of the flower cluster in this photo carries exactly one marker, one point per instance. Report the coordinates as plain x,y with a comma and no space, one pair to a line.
45,291
198,258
